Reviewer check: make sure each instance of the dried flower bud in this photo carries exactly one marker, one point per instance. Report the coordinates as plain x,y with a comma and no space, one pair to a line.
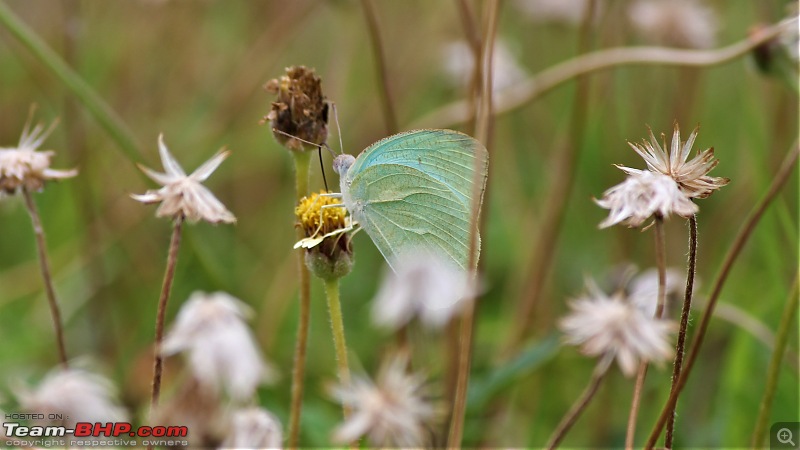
300,111
778,57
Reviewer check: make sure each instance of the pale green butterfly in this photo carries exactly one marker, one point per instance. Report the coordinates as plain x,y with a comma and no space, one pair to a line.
412,193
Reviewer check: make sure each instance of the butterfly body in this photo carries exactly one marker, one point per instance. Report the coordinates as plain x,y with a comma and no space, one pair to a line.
412,192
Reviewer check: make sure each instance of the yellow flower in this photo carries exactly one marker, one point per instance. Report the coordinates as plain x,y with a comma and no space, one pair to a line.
320,223
327,241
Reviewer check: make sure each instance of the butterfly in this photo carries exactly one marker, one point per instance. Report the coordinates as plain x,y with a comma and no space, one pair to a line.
412,193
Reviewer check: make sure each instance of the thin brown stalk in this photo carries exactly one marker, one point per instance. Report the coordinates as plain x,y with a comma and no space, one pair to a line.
44,266
630,431
579,406
468,23
786,169
562,182
166,287
472,32
302,162
482,134
680,347
788,318
387,103
519,95
661,264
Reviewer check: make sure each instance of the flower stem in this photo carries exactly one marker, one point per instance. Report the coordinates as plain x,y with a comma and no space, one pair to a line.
389,115
780,178
483,126
166,287
44,266
661,264
519,95
577,408
781,338
302,160
337,328
634,413
680,347
565,169
94,104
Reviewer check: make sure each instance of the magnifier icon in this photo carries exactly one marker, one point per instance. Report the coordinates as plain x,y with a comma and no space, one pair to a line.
784,436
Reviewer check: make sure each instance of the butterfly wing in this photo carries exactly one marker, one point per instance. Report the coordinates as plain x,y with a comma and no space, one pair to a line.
412,193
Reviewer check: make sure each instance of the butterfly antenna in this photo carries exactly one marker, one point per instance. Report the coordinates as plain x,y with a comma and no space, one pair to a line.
322,166
338,129
319,151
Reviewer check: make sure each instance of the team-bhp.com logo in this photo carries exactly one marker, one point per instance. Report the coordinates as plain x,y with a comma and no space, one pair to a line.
97,429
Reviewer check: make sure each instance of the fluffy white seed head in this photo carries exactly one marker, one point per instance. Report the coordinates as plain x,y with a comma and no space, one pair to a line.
210,329
609,327
424,287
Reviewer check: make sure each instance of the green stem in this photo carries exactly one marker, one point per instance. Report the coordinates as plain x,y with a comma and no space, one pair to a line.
337,327
302,161
93,103
781,338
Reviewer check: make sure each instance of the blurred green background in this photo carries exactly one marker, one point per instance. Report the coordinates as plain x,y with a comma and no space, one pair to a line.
194,70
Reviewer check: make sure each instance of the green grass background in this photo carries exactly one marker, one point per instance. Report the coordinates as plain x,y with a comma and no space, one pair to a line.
194,70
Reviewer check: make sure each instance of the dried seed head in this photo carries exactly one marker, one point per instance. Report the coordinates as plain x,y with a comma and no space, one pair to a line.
23,167
778,57
676,23
222,352
392,412
692,175
641,196
76,394
300,110
564,12
183,195
424,286
611,328
253,428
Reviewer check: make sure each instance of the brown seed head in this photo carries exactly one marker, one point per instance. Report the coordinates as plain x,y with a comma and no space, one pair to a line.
300,110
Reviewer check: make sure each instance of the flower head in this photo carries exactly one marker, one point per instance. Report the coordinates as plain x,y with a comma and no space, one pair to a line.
254,428
424,286
329,254
222,352
392,412
678,23
691,176
458,63
642,290
642,195
300,112
610,327
24,167
77,395
567,12
183,195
